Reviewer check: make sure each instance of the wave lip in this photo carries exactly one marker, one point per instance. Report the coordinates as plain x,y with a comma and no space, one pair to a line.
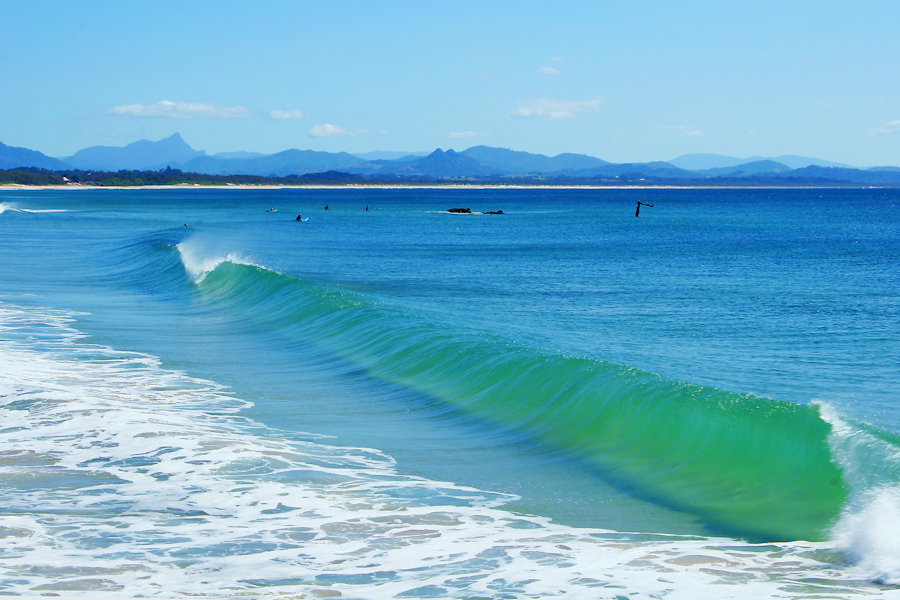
199,263
868,530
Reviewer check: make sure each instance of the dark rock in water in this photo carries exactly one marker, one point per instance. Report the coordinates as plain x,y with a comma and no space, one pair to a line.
494,212
464,211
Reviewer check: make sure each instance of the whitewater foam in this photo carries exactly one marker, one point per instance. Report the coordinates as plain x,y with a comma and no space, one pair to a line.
6,206
124,478
868,530
199,261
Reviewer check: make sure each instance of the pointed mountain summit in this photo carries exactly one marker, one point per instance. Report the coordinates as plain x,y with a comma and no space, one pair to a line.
440,164
139,156
11,158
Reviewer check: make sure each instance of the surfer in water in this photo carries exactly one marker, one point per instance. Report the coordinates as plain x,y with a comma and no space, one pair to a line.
637,213
300,217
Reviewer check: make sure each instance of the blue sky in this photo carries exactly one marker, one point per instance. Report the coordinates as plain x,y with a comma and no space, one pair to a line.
623,81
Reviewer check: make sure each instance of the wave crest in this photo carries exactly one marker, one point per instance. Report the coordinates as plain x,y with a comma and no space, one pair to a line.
199,261
868,530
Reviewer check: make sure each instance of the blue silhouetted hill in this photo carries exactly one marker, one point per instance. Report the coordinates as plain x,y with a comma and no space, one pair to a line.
705,162
655,169
750,169
439,165
516,162
13,158
883,175
281,164
141,155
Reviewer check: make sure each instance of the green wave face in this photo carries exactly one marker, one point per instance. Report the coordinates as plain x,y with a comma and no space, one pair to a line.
753,467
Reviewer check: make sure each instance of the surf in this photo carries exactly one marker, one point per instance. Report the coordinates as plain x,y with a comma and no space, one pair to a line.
130,478
749,466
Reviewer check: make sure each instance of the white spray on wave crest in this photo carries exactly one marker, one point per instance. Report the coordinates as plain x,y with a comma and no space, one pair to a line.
869,528
200,261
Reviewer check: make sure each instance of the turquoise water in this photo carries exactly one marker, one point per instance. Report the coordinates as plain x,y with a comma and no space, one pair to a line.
701,395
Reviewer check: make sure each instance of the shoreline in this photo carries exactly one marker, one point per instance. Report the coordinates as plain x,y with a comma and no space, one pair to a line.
430,186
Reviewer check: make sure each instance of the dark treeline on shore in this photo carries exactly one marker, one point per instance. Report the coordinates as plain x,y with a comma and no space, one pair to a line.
34,176
42,177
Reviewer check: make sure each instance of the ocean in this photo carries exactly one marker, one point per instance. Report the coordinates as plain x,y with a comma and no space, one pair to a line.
202,396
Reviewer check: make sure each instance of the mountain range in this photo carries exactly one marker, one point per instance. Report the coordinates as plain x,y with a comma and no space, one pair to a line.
704,162
476,163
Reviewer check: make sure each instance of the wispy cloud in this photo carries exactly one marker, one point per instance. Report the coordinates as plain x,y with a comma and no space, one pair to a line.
180,110
329,130
286,115
466,134
682,130
889,129
553,109
557,58
550,71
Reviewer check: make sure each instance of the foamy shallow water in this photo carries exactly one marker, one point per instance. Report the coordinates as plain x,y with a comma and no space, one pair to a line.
122,478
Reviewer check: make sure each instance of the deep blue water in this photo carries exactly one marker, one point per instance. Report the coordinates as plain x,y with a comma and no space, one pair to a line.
726,364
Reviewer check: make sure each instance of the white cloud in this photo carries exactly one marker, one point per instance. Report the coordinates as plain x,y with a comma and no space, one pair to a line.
180,110
466,134
889,129
554,109
683,130
556,58
286,115
329,130
550,71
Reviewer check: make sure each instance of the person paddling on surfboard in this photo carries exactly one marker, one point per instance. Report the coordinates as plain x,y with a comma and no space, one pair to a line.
300,217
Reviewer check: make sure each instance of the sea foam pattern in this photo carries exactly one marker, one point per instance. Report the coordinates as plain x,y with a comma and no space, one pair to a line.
122,477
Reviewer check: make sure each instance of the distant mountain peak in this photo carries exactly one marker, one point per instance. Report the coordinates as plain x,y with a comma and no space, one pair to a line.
139,155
